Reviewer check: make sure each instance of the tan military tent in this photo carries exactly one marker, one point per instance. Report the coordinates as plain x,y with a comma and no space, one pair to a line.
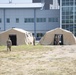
66,37
17,36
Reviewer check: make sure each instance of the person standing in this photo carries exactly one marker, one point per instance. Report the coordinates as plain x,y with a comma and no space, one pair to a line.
57,40
9,44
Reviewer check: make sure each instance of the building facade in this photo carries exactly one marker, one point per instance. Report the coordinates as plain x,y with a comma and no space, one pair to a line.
29,17
68,15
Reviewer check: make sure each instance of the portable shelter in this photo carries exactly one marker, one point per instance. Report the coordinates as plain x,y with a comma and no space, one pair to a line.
17,36
66,37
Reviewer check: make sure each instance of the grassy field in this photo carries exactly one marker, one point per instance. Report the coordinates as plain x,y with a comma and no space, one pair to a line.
38,60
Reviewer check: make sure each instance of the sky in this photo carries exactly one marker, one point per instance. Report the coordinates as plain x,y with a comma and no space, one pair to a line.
16,1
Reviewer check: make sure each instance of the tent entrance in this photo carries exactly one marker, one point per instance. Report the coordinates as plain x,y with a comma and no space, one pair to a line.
13,39
58,39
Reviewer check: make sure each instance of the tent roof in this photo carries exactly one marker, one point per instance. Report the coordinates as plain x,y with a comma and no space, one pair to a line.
17,29
58,29
21,30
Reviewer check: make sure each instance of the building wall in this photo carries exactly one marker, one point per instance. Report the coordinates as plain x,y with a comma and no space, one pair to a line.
25,18
16,13
45,26
2,19
21,14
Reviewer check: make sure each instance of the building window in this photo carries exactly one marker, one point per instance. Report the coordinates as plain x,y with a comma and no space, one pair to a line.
8,20
53,20
28,20
25,20
41,19
63,26
0,20
17,20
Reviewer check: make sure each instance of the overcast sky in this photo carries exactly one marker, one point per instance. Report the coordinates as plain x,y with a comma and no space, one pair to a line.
16,1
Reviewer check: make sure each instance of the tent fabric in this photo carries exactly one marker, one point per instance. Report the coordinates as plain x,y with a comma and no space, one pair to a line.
48,38
22,36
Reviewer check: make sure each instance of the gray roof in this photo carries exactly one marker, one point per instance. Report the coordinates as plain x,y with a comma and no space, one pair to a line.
27,5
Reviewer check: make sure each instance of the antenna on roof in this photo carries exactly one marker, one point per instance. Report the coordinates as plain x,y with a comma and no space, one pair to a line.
10,1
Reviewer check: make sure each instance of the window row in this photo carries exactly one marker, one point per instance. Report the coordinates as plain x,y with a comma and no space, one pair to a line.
67,3
69,13
70,27
67,9
67,21
53,20
68,17
66,0
31,20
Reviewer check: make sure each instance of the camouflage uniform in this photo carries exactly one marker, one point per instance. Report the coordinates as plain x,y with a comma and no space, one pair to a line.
57,40
9,44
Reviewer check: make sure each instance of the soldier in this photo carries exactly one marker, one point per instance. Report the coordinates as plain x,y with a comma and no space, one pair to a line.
56,40
9,44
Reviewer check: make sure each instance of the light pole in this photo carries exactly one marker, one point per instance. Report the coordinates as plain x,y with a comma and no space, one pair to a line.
35,35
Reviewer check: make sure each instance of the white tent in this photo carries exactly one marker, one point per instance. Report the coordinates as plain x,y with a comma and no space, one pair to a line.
67,37
17,36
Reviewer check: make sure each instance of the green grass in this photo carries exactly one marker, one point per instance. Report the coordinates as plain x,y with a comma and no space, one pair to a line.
22,47
2,47
28,47
25,48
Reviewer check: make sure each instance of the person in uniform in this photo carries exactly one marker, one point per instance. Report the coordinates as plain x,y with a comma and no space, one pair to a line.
56,40
9,44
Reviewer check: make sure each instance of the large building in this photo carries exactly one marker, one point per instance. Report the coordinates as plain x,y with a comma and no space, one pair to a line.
68,15
30,17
